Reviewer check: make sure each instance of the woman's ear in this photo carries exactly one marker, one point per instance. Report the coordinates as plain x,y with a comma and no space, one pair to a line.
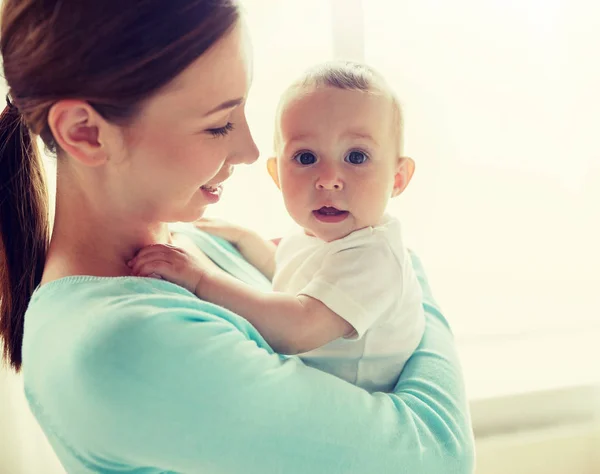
80,131
272,169
404,173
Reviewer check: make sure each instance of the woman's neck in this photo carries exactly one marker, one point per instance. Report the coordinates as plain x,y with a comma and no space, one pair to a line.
88,239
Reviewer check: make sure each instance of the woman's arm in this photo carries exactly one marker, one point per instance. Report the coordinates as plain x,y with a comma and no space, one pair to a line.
190,392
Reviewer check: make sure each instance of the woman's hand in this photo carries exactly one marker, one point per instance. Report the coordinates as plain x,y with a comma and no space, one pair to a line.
169,263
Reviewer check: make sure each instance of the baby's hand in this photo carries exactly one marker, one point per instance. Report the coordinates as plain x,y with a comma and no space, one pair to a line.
231,232
170,263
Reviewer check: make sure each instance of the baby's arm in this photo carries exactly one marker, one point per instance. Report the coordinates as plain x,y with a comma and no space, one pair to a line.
290,324
258,251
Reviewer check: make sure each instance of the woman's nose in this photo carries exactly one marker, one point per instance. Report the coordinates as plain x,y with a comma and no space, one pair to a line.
246,151
251,154
246,154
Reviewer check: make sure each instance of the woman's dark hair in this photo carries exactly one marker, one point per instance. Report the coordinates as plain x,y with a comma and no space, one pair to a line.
110,53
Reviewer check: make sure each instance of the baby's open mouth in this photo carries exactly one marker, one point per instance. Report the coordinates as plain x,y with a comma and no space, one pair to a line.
330,215
330,211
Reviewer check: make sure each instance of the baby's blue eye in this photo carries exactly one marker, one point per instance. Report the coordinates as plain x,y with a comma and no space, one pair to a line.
356,157
305,158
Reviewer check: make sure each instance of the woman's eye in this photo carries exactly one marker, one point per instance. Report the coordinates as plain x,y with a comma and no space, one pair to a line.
356,157
221,131
305,158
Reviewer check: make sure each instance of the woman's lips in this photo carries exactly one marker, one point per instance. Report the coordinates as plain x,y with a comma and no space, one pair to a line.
212,193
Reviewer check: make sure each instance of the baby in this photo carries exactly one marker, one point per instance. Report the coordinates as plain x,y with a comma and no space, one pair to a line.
346,298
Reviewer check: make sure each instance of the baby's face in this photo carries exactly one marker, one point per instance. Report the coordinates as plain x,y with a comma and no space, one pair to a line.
337,160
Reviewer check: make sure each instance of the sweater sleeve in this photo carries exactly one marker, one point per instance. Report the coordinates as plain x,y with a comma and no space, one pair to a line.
197,391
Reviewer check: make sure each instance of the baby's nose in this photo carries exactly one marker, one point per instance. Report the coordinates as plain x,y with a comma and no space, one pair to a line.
330,182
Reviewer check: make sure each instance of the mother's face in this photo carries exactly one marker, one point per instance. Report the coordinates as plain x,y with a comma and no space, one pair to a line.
190,135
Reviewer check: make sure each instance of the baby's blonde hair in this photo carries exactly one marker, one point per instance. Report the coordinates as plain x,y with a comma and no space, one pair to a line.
347,75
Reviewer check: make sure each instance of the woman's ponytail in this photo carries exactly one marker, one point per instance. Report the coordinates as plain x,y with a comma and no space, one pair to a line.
24,228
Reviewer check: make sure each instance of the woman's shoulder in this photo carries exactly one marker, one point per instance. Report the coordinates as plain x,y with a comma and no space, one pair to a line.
92,301
90,318
105,301
97,350
96,322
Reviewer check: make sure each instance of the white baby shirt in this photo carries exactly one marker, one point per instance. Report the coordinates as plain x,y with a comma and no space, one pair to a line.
366,278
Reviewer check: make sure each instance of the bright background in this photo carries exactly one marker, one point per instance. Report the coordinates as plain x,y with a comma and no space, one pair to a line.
501,103
501,106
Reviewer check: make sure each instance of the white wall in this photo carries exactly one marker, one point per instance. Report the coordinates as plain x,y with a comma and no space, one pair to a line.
23,446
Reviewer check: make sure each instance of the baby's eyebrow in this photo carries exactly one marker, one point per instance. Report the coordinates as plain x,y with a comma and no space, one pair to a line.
299,138
360,135
293,141
353,134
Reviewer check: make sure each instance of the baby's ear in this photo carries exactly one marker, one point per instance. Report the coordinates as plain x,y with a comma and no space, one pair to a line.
404,173
272,169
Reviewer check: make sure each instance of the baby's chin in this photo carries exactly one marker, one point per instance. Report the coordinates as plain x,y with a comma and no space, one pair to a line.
328,235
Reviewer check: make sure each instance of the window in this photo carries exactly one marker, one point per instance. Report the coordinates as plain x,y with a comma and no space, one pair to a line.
500,100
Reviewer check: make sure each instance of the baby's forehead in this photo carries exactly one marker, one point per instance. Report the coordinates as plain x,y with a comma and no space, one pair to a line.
336,116
305,93
306,102
303,100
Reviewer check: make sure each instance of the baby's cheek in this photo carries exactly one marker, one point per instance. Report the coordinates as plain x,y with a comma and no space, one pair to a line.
293,185
371,199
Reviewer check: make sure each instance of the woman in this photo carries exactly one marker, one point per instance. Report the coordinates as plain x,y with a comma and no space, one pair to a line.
144,107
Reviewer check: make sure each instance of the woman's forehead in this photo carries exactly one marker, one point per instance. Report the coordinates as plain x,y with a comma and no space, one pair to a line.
221,74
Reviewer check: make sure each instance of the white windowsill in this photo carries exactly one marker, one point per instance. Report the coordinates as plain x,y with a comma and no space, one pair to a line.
517,384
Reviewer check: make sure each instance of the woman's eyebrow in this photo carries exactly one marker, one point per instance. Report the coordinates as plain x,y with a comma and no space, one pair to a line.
228,104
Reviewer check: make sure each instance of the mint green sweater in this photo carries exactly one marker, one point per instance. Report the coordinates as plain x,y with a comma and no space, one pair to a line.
138,375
